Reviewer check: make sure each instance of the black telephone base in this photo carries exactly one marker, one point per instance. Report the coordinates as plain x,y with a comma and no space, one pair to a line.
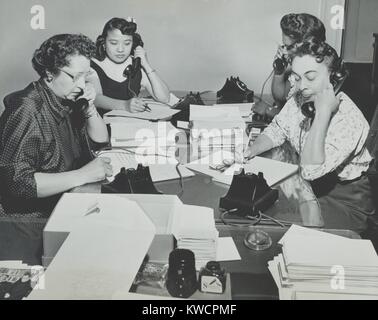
249,194
131,181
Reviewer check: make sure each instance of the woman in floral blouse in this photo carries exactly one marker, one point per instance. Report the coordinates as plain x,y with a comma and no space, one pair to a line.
331,145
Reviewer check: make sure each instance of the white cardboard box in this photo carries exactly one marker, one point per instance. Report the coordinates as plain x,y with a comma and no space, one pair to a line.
72,207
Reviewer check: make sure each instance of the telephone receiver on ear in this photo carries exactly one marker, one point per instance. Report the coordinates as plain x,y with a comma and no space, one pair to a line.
78,106
308,108
132,69
280,65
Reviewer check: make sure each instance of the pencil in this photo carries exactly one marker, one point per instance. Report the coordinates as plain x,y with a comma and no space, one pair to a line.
146,107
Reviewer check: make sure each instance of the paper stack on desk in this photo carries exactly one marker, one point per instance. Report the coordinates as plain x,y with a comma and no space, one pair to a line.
217,126
194,229
318,265
143,133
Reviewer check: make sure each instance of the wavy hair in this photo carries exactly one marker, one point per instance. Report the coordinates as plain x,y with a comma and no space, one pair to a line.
53,54
126,28
300,26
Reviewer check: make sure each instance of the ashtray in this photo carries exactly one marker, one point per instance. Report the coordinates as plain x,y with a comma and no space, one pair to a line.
258,240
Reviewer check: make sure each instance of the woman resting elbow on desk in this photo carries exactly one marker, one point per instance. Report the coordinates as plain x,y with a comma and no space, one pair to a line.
331,144
46,133
119,47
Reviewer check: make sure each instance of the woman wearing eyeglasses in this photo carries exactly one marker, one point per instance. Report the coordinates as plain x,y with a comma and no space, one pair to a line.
46,133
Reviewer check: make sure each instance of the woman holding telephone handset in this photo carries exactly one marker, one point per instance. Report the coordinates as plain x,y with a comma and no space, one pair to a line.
46,131
122,69
331,143
295,28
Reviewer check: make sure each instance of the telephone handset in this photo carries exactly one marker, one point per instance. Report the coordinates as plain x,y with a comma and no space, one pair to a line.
337,80
78,107
132,69
280,65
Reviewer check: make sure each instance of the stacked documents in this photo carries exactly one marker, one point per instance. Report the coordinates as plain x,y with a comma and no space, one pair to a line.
195,230
217,125
318,265
141,133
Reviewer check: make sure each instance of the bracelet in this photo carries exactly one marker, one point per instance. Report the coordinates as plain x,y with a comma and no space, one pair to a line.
153,70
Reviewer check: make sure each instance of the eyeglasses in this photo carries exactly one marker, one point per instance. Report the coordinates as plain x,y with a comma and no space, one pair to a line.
77,77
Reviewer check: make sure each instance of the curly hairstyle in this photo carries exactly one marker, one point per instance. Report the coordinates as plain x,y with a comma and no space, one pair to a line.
55,51
322,52
300,26
126,28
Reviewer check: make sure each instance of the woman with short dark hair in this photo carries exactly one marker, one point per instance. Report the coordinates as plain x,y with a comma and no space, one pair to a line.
47,130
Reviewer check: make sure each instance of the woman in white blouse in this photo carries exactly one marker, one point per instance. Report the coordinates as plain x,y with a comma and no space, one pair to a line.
331,144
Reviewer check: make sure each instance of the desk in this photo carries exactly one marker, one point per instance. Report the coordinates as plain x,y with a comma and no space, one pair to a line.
296,200
250,277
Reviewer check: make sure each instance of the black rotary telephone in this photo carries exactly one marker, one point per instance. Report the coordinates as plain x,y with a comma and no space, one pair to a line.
132,69
234,91
337,79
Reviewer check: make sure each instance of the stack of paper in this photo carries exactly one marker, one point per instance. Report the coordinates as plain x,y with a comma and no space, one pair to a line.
318,265
217,126
201,237
143,133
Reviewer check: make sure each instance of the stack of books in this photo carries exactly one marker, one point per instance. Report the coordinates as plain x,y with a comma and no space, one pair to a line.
318,265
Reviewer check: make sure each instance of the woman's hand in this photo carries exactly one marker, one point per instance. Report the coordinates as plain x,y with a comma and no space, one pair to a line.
139,52
89,93
96,170
326,103
135,105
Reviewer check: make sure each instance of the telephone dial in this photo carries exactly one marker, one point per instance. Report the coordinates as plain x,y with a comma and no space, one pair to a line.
132,69
337,79
235,91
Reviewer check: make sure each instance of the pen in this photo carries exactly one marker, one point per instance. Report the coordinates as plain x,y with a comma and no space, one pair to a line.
92,209
146,107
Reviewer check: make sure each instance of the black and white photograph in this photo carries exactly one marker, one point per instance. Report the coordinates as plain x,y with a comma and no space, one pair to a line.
187,155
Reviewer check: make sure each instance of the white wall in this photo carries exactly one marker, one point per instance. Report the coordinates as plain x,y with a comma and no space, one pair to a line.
193,44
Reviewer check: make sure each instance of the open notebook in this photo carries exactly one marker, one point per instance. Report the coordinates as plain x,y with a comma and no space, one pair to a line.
158,111
161,168
274,171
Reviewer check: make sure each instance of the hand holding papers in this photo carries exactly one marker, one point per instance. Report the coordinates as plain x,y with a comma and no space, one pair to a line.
274,171
162,168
